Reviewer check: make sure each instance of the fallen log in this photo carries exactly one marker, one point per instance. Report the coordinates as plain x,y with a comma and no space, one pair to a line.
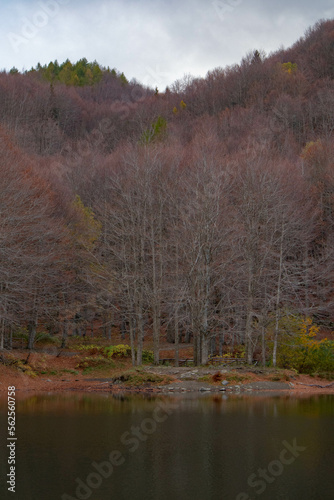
26,361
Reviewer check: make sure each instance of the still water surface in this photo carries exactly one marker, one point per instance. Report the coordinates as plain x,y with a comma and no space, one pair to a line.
214,448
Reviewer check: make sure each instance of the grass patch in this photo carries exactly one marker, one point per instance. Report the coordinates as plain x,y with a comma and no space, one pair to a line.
325,375
66,370
140,378
235,377
57,372
89,370
280,377
97,362
21,365
97,368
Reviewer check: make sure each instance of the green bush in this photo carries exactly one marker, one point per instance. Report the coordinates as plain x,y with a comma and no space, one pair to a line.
40,338
117,351
124,351
21,333
120,351
309,359
299,348
148,356
45,338
96,362
92,348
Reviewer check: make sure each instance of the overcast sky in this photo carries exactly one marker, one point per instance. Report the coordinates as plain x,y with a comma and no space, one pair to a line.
154,41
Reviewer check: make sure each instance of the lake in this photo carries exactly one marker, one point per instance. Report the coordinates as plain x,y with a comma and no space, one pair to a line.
101,447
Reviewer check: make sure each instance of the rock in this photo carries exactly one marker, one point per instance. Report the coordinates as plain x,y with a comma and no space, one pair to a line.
225,382
222,389
266,385
204,389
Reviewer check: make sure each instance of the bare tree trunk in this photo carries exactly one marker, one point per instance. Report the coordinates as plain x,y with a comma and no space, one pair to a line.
10,336
177,349
123,327
278,298
306,279
32,326
65,334
249,318
221,343
140,329
107,323
109,331
156,331
2,334
263,334
204,349
196,342
132,341
205,327
176,318
154,308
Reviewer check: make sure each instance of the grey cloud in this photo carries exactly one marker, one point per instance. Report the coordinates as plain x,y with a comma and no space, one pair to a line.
156,41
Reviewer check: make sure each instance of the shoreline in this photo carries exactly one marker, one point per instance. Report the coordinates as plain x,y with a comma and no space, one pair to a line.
47,373
25,384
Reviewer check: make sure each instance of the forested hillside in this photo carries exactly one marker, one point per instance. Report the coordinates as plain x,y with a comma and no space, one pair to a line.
203,213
